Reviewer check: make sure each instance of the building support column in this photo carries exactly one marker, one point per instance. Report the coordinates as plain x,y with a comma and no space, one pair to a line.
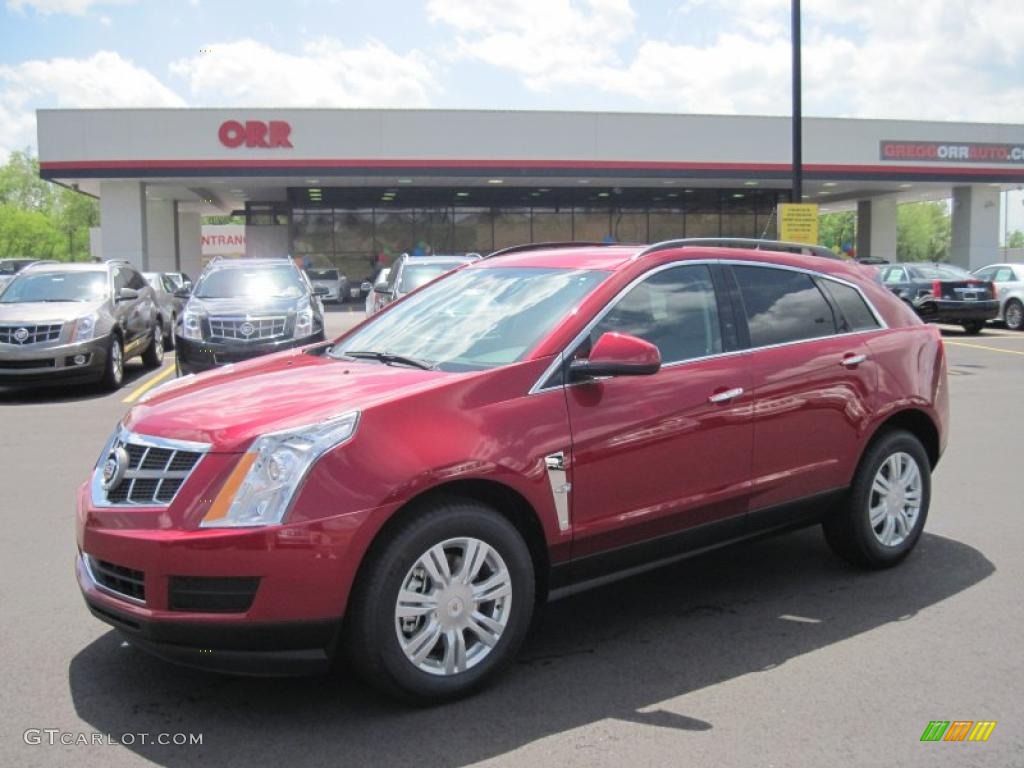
876,228
189,244
975,237
123,222
160,235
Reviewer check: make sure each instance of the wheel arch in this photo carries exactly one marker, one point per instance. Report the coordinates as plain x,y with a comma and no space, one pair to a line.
503,498
917,423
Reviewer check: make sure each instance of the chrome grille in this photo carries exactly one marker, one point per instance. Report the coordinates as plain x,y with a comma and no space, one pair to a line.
247,328
154,473
29,334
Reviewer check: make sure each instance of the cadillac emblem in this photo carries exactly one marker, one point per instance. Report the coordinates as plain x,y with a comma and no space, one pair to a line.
114,468
21,335
246,329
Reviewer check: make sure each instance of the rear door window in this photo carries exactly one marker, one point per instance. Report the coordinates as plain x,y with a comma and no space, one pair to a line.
854,313
782,306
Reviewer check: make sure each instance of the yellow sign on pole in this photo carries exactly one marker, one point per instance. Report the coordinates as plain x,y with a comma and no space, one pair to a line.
798,223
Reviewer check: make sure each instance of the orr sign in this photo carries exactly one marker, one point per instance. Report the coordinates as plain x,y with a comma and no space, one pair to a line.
255,133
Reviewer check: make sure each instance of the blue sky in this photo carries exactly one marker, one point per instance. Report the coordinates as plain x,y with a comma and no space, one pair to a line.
917,59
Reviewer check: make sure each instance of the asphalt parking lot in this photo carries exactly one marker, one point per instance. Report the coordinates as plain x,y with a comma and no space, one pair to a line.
771,654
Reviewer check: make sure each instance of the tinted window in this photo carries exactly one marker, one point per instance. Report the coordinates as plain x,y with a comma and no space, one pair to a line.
939,272
135,280
782,306
854,312
322,274
674,309
56,286
415,275
1004,275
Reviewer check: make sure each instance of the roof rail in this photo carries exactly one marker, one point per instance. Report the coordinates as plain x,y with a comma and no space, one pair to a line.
750,243
542,246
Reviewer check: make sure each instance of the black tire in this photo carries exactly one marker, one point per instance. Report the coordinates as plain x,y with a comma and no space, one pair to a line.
848,529
153,357
1014,314
113,373
974,327
372,632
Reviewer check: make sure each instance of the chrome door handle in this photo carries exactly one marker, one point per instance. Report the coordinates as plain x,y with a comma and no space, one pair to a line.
853,360
726,396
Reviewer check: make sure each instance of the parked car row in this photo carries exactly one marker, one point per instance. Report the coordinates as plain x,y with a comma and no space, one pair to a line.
407,274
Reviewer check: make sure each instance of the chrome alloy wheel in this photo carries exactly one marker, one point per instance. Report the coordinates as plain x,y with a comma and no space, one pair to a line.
1014,315
116,361
895,499
453,606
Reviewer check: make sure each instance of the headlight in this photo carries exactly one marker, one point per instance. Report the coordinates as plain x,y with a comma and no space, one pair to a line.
192,325
260,489
304,323
84,329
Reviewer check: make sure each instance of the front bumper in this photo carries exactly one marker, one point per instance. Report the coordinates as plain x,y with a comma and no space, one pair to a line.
195,356
53,362
956,312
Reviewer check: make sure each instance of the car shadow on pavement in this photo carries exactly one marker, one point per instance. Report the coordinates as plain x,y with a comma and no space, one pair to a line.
613,652
36,394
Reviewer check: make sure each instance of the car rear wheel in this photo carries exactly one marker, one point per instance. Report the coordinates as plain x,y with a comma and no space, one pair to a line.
974,327
1014,315
113,374
153,357
885,511
443,603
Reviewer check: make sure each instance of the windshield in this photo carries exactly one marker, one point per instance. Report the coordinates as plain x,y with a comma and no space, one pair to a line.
940,272
263,282
415,275
477,318
56,286
322,274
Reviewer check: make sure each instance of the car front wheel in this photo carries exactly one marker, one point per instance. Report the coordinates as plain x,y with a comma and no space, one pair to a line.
153,357
113,374
886,508
1014,315
443,603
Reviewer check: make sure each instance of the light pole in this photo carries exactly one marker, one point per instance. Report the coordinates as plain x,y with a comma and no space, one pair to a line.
797,120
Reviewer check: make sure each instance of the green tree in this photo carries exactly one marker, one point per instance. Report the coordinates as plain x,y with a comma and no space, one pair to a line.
836,229
1016,239
39,219
923,231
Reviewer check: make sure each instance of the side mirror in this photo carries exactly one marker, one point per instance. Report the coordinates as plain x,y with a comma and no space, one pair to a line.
366,286
381,287
128,294
618,354
320,290
183,293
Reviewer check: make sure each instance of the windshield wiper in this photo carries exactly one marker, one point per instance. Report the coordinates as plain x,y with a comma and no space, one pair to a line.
388,358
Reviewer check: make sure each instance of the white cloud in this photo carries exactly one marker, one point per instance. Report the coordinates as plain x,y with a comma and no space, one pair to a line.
547,42
68,7
325,74
102,80
921,59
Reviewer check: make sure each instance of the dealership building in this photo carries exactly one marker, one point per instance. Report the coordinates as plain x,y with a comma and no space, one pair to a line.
356,187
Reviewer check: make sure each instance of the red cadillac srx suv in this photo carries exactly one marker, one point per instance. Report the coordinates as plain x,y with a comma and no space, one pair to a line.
539,419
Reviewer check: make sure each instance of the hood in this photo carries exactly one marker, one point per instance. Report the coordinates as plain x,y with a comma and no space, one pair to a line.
244,306
230,406
46,311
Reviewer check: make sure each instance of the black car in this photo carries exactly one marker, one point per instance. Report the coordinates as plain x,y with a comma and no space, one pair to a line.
943,293
244,308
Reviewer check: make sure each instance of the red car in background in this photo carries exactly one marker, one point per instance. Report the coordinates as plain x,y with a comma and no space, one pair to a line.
528,423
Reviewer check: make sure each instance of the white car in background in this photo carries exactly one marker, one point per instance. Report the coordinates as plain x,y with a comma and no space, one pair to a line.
1009,282
331,279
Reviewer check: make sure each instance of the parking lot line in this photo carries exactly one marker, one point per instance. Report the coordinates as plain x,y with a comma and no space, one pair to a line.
985,346
147,385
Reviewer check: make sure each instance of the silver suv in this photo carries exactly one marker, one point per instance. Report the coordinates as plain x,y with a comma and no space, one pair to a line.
77,322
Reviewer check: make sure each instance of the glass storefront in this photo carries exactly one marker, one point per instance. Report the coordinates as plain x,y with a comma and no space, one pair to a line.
348,231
